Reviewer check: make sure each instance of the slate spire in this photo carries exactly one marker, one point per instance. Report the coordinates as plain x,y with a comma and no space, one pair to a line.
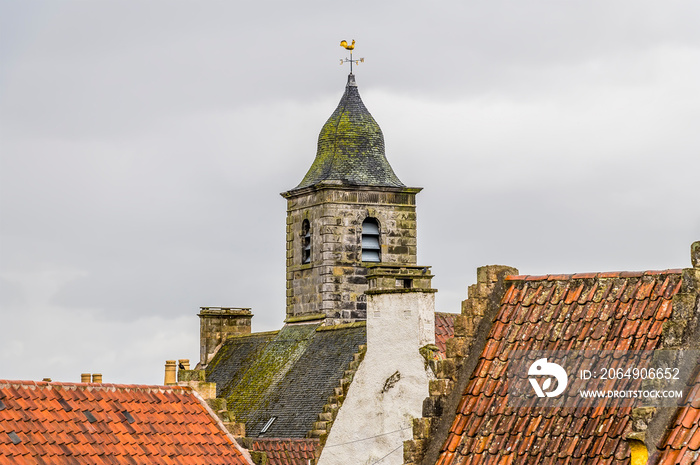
351,147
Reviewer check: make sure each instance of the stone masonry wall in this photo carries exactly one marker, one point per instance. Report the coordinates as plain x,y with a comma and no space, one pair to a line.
333,284
471,329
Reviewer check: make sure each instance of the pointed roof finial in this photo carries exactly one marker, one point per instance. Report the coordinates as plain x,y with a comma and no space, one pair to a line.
350,47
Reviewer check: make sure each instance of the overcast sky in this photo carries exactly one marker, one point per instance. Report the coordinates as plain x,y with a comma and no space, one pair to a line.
143,147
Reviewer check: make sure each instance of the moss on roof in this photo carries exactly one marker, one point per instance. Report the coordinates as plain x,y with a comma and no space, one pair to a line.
351,147
288,375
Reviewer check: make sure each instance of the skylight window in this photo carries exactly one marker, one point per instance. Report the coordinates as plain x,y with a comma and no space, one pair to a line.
267,425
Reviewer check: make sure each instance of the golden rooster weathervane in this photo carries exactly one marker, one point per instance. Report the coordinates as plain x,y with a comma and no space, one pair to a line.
350,47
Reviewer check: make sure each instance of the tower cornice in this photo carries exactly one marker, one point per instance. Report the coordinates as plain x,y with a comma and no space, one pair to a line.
331,185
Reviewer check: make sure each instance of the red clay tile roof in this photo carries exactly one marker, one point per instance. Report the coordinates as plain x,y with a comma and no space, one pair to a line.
444,329
610,311
681,444
287,451
52,423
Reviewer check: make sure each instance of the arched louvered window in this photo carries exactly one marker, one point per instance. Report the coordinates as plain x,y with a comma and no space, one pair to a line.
305,242
370,241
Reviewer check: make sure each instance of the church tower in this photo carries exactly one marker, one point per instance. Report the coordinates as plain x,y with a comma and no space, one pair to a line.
350,214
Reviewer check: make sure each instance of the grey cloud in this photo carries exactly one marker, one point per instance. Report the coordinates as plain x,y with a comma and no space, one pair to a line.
144,146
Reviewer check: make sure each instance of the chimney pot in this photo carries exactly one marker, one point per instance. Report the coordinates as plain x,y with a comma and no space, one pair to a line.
97,377
170,372
85,377
184,363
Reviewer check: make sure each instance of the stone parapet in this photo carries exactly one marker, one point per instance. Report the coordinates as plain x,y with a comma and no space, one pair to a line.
387,278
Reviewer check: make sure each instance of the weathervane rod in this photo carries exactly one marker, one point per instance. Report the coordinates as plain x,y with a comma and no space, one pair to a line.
350,47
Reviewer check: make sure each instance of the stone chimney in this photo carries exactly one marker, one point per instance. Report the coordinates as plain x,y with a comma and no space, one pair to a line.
389,386
216,324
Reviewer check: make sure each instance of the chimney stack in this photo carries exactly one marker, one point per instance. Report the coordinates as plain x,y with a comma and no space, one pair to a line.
216,324
85,377
97,377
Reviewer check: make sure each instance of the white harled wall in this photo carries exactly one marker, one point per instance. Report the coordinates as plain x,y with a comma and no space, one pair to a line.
390,385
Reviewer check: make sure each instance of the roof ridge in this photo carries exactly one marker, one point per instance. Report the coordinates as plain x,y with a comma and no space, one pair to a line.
91,386
593,275
256,334
287,439
354,324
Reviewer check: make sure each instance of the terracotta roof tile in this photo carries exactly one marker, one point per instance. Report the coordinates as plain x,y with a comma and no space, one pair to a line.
53,424
287,451
681,443
588,311
509,293
444,329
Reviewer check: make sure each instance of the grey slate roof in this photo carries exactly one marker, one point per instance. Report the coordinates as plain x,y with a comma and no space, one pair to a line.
289,374
351,147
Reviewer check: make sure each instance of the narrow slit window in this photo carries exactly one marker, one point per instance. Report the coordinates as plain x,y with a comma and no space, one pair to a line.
305,242
370,241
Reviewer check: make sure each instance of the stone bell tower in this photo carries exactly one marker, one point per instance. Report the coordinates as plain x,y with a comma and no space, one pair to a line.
349,214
